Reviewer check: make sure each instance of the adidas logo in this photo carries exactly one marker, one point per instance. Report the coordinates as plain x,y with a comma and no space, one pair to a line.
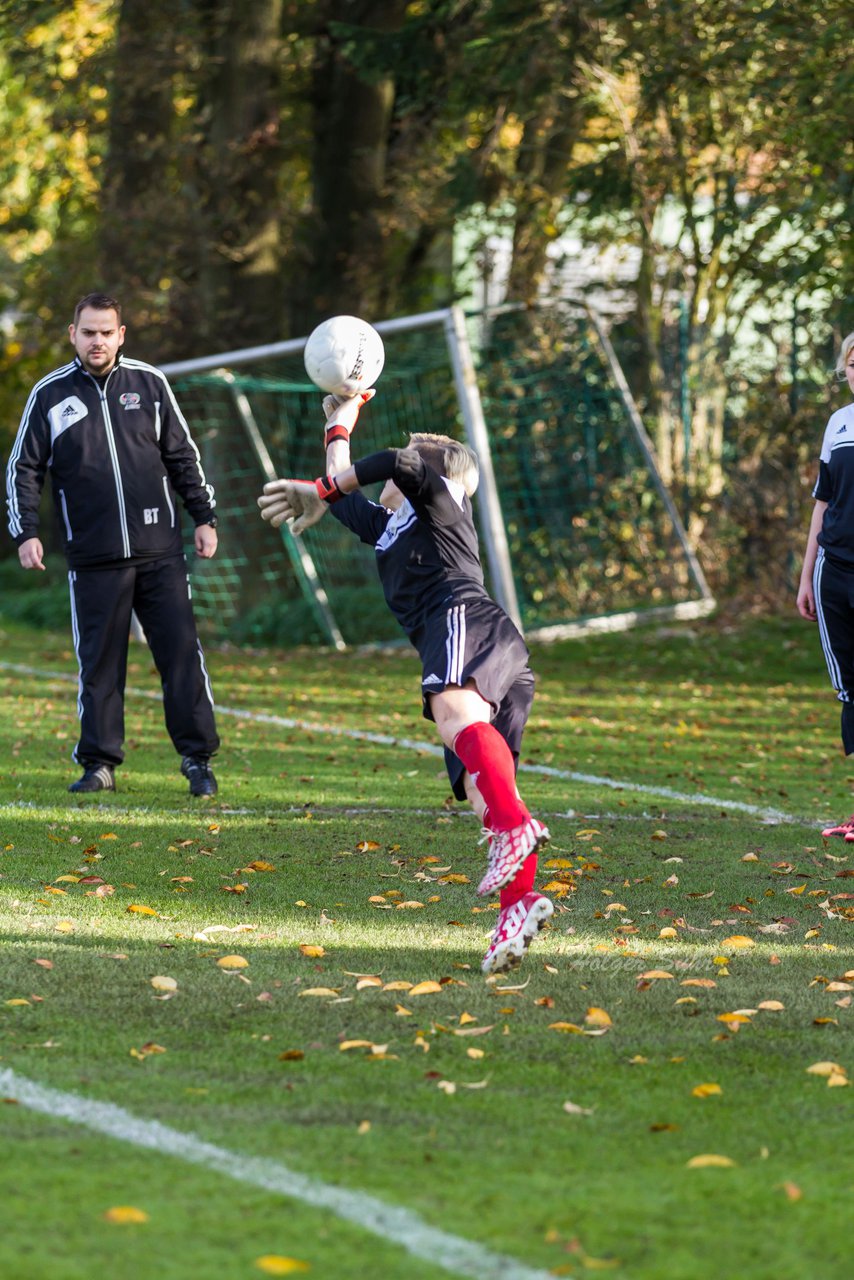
70,411
841,429
432,679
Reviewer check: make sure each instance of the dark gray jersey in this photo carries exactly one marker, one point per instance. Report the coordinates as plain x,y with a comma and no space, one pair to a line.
427,550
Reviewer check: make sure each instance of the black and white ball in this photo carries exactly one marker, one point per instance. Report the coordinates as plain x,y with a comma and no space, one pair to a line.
344,355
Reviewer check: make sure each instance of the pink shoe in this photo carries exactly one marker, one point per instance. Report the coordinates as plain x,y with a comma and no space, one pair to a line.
516,928
508,850
844,829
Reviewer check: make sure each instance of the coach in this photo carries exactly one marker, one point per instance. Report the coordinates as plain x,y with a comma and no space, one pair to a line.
109,431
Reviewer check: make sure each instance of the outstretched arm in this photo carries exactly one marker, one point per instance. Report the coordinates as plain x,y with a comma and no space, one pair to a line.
305,502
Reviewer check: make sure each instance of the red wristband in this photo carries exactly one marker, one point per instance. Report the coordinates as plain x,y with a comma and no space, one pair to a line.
328,489
338,432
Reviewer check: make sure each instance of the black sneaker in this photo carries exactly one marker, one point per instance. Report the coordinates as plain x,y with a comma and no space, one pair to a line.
199,774
96,777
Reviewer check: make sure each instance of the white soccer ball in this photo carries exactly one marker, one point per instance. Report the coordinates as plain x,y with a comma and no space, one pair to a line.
344,355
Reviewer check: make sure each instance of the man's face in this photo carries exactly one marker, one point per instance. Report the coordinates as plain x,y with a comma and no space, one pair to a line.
96,338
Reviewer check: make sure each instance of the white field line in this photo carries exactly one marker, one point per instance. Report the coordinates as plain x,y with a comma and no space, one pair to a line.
431,748
400,1226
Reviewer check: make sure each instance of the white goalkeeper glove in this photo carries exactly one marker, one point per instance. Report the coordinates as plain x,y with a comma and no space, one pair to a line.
342,415
303,502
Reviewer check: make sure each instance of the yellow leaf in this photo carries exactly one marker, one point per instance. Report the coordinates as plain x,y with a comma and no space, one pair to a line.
402,1011
368,982
588,831
750,857
668,932
291,1055
162,983
475,1053
408,906
320,991
454,879
822,1022
799,890
738,940
558,864
596,1017
67,880
276,1265
466,1018
13,1004
698,982
656,973
710,1162
733,1017
705,1090
259,865
834,1081
428,988
233,962
313,952
792,1190
838,986
397,986
774,1005
825,1069
137,910
124,1213
658,835
569,1027
364,1126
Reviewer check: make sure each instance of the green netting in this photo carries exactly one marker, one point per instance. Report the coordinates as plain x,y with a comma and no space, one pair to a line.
588,531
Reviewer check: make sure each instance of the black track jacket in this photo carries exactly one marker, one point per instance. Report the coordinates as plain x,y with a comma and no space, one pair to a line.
118,450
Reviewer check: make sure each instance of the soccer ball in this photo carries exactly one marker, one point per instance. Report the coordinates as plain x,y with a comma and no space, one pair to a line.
344,355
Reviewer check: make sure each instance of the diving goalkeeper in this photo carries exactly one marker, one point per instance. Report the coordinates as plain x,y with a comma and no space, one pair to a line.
475,683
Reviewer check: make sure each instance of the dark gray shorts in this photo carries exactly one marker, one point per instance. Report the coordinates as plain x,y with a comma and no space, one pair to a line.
477,641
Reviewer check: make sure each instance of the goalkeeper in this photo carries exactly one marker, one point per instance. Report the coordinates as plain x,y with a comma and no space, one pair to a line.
475,684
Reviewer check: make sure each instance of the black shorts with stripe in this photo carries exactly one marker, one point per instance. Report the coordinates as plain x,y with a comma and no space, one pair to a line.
475,640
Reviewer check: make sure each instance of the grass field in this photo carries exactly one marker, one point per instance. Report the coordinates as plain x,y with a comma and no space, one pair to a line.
543,1124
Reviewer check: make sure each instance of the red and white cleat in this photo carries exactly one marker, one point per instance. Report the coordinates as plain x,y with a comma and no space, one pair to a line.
844,829
507,850
517,926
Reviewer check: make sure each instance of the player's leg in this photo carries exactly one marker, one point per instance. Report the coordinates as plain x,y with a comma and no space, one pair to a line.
163,604
834,601
101,602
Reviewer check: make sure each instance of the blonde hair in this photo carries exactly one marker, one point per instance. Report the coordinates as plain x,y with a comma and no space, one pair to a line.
844,353
452,459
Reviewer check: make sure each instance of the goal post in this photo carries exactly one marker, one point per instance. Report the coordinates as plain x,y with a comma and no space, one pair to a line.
579,531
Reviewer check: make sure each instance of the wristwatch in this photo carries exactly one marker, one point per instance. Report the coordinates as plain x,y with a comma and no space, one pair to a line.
212,520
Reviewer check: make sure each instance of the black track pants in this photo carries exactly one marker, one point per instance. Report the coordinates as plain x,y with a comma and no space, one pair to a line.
833,588
101,604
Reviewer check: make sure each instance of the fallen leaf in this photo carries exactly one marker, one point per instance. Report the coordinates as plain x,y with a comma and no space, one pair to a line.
738,940
313,952
162,983
275,1264
698,982
596,1017
774,1005
572,1109
652,974
710,1162
706,1090
125,1213
425,988
321,991
137,910
792,1190
233,962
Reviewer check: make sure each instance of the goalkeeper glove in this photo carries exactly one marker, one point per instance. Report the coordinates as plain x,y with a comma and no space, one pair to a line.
341,415
303,502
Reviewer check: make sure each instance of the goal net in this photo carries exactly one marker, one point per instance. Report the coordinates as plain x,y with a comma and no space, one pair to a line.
578,529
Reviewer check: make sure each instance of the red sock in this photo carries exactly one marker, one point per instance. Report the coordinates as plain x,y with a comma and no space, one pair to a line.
522,882
490,765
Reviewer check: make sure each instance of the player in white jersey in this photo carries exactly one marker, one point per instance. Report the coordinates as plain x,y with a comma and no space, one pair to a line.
826,591
476,684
